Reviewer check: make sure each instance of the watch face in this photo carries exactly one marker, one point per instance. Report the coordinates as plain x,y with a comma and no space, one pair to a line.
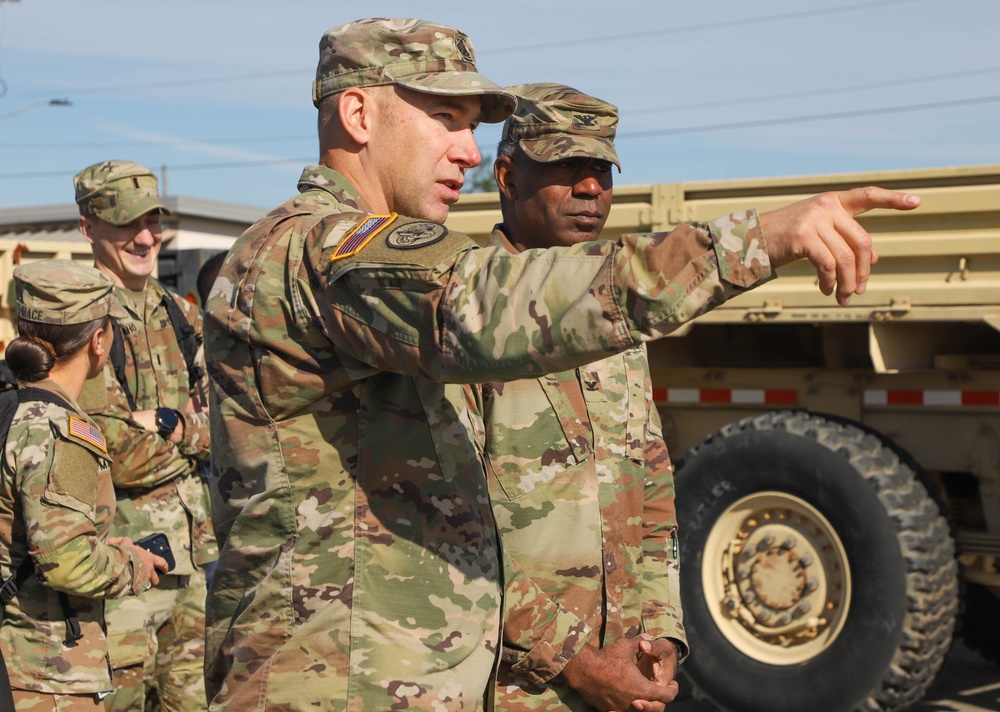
166,418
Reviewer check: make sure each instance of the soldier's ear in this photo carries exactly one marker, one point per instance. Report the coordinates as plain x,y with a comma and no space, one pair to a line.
503,173
85,228
355,107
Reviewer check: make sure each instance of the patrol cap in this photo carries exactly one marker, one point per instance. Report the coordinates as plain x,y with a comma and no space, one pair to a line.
64,292
118,192
554,122
416,54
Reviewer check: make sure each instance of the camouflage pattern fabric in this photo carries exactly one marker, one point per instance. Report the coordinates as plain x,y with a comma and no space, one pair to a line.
554,122
360,566
416,54
56,506
63,292
118,192
583,492
43,702
159,484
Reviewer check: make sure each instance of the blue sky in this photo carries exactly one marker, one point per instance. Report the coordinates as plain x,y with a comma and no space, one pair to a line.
219,91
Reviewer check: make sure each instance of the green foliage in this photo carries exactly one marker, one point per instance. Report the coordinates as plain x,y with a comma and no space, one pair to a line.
480,178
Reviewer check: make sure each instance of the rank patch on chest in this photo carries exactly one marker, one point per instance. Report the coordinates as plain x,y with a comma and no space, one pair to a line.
414,235
361,235
87,432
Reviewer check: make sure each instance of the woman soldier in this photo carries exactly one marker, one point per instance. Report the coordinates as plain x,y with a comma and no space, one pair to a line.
56,496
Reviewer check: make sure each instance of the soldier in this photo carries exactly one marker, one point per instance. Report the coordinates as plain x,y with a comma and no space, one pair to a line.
359,565
56,497
578,471
148,402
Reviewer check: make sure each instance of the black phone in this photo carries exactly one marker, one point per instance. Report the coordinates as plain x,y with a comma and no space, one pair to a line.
158,544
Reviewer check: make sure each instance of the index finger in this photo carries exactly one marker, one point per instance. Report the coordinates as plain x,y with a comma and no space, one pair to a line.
861,200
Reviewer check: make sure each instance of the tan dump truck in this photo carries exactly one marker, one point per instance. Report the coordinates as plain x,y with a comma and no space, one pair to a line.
839,468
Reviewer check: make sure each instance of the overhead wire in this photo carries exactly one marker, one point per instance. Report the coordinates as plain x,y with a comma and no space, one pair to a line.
763,19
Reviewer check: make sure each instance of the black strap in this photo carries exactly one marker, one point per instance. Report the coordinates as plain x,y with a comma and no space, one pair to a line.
10,587
117,358
187,340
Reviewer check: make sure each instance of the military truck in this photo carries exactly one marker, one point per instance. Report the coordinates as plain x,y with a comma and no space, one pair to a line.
838,468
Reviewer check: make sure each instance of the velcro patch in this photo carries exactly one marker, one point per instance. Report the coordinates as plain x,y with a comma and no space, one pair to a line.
361,235
415,234
87,432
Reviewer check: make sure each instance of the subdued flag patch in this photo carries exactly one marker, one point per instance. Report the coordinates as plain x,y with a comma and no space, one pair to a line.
361,235
87,432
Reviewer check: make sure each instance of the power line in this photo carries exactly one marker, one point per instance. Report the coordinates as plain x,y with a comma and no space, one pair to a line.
814,92
175,168
810,117
175,83
722,24
635,134
155,142
55,145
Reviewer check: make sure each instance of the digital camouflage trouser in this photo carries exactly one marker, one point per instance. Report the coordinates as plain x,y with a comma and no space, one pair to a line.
157,646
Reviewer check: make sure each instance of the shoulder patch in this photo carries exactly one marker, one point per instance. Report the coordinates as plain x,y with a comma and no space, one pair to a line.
83,430
361,235
415,234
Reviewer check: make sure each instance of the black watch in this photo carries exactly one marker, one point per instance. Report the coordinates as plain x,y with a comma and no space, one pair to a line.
167,420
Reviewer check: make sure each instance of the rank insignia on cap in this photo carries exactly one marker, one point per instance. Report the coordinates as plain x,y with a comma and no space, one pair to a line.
87,432
416,234
361,235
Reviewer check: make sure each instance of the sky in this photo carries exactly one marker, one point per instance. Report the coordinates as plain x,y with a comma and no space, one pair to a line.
214,95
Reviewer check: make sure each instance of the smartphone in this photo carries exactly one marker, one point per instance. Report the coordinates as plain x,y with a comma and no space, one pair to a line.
158,544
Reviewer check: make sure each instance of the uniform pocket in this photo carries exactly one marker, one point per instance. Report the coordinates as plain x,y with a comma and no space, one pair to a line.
535,430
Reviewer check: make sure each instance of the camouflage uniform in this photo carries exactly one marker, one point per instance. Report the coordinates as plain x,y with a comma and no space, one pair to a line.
578,471
157,639
56,506
360,566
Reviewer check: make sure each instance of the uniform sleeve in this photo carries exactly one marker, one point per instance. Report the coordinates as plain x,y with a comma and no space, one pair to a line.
499,316
196,441
539,636
59,482
140,458
662,615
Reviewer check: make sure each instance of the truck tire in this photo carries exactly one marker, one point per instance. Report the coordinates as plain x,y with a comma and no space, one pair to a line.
816,572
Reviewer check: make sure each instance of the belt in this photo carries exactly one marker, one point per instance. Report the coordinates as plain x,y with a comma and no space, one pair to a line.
173,581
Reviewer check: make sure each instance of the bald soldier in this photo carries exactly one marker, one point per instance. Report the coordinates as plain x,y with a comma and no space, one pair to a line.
360,567
578,471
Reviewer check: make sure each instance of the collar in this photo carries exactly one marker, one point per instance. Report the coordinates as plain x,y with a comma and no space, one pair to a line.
327,180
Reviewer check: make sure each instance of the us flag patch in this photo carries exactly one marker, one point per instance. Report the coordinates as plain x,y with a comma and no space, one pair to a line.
361,235
86,431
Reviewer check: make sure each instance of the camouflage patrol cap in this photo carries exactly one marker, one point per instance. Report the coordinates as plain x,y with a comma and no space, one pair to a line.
118,192
64,292
554,122
416,54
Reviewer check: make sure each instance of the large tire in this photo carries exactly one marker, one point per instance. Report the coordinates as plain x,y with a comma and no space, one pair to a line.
816,572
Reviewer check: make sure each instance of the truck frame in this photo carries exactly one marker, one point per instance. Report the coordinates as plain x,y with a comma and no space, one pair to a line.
838,468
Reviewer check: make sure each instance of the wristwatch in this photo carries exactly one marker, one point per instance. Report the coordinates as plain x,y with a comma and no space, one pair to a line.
167,420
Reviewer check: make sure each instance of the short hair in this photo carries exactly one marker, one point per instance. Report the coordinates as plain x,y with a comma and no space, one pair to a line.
207,274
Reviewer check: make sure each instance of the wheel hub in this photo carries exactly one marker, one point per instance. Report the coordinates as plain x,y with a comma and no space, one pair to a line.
784,578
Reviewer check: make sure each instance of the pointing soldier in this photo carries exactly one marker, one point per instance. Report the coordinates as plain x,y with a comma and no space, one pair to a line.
360,567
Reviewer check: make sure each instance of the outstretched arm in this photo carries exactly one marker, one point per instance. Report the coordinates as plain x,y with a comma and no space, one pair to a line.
822,229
